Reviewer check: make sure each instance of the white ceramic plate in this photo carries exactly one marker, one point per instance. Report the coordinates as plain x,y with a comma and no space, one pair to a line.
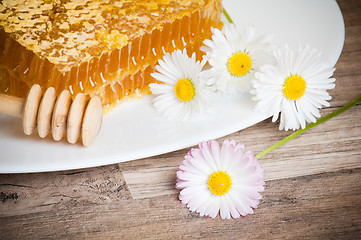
134,130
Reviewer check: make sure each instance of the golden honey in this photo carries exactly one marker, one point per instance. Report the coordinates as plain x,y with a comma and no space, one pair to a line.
105,48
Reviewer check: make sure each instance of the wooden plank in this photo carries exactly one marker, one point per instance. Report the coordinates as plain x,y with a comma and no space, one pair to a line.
314,152
44,192
317,206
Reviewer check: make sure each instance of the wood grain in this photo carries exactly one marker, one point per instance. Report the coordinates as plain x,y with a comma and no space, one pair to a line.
316,153
313,188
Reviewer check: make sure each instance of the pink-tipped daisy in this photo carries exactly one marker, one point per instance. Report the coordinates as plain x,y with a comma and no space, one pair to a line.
295,87
223,180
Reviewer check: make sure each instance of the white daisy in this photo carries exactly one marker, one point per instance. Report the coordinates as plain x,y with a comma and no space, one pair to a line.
235,56
183,92
223,180
296,87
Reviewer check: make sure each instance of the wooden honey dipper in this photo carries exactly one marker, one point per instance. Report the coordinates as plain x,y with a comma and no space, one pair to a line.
60,115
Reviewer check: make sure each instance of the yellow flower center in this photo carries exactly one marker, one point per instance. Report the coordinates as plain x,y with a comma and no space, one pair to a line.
239,64
184,90
219,183
294,87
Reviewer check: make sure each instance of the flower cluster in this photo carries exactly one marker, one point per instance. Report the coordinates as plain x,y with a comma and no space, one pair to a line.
285,83
288,83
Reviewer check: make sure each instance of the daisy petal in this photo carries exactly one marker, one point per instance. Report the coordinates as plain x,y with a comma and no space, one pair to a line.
295,87
253,51
184,92
229,194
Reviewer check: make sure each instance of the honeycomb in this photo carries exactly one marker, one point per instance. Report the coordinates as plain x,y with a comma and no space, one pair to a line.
97,47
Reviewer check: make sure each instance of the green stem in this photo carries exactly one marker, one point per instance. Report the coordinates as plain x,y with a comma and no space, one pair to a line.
309,126
227,16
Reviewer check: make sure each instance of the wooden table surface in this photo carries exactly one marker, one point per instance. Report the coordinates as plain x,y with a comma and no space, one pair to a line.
313,183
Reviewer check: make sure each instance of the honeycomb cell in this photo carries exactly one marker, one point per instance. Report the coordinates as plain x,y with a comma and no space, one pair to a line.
97,47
